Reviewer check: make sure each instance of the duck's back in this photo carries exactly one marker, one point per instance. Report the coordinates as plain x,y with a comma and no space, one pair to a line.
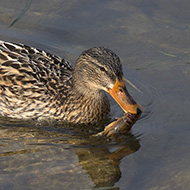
31,81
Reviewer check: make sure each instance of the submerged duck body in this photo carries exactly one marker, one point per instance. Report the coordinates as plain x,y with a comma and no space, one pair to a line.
36,84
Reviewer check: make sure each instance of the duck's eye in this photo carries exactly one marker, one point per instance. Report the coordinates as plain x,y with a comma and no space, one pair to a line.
102,69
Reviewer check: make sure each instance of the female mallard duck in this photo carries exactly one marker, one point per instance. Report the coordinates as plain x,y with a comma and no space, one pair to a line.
36,84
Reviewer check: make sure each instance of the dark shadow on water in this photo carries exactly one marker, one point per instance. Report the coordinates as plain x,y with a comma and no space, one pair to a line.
99,157
27,6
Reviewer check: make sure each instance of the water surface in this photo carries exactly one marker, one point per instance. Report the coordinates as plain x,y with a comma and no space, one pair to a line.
153,42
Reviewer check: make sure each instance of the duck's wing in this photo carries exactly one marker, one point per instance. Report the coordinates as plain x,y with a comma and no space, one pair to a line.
29,72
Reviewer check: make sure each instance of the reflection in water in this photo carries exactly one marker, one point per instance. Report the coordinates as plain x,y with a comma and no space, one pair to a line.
31,146
103,165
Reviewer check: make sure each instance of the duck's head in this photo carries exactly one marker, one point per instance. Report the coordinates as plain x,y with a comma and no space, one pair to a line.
100,69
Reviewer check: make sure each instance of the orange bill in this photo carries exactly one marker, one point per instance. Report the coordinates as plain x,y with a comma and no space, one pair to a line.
123,98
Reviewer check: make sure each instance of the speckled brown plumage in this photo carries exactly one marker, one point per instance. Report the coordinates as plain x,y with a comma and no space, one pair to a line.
36,84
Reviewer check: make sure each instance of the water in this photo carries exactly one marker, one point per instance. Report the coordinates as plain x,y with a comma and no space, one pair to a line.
152,40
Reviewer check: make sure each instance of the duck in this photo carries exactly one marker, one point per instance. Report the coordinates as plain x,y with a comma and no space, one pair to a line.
35,84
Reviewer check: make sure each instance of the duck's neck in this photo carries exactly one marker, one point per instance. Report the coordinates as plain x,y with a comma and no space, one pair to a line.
86,106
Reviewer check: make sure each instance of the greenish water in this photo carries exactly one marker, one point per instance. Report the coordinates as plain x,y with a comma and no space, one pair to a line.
152,39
